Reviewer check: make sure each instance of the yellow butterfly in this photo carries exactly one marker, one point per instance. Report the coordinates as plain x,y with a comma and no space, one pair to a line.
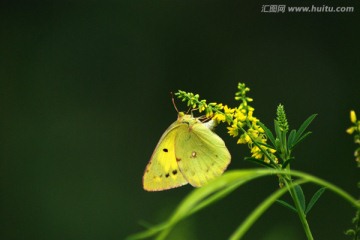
188,152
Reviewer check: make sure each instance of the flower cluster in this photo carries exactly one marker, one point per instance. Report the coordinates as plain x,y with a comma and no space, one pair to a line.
355,128
240,120
281,118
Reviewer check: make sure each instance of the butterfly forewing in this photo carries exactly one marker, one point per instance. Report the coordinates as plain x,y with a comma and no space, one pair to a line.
162,171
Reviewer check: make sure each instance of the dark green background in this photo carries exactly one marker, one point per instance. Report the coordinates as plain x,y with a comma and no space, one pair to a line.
84,98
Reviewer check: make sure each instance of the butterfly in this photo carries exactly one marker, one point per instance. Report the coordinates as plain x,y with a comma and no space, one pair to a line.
188,152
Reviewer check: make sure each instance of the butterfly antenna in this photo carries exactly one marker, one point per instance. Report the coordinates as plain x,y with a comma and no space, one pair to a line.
173,101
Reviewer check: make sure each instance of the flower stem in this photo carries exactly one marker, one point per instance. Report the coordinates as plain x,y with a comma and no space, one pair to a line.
259,210
299,209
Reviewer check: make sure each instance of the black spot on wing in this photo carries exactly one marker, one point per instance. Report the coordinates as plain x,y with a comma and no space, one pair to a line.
165,150
167,175
174,172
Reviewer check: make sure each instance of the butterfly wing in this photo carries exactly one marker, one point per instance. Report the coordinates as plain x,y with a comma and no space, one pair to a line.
201,154
162,171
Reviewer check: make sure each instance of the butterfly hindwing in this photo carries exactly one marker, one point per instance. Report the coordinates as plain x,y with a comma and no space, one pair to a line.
162,171
200,153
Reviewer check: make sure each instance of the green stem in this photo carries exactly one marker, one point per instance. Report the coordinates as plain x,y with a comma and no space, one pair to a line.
299,209
285,152
257,144
321,182
259,210
200,198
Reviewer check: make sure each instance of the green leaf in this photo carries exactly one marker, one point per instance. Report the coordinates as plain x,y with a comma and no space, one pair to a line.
266,145
301,197
291,139
277,130
201,198
258,211
350,232
268,133
302,138
258,161
287,205
303,127
287,162
314,199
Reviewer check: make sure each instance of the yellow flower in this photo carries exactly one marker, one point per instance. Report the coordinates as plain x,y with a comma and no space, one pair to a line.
216,105
250,115
240,115
228,114
241,140
249,99
254,134
219,117
352,116
202,108
228,110
271,150
233,130
256,152
350,130
244,138
209,113
257,127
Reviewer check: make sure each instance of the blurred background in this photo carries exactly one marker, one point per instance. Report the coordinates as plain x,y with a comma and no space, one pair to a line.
84,98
